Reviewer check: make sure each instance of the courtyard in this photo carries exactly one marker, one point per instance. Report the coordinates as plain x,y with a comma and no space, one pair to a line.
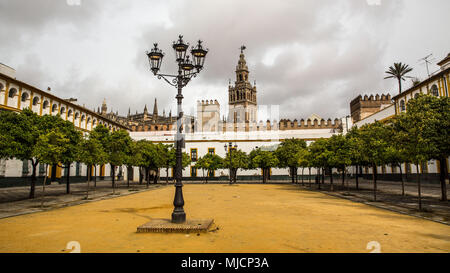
247,218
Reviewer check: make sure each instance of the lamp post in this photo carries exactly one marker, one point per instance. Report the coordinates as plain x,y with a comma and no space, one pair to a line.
230,149
187,69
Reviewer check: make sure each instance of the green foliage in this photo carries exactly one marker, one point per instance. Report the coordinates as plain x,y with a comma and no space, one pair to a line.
320,153
19,134
118,147
398,71
373,143
239,160
51,147
210,162
91,152
264,159
340,148
291,153
430,116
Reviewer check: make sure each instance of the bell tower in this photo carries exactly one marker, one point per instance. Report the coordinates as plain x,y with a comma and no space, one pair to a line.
242,96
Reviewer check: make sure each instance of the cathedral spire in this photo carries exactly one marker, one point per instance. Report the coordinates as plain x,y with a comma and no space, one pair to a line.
155,109
104,107
242,68
145,109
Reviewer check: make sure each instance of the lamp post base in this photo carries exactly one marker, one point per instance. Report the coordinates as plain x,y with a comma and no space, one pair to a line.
178,217
166,226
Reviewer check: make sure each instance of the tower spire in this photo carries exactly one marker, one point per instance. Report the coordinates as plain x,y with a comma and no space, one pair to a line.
155,109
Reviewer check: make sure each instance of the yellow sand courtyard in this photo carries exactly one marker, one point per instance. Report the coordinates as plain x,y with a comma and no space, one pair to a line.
248,218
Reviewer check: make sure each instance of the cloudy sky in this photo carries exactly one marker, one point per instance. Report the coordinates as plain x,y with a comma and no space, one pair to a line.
307,56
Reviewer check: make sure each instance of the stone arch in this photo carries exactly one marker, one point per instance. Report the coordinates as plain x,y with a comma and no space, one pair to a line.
434,90
402,105
12,92
35,100
25,96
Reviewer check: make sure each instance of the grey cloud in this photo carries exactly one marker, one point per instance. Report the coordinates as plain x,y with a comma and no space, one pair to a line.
331,51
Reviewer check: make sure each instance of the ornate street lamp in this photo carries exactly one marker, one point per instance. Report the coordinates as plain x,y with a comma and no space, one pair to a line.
185,74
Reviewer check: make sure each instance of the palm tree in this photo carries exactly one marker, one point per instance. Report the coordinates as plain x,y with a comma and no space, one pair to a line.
398,71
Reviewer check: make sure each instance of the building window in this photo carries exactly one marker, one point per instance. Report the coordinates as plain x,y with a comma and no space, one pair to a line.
193,154
35,100
435,90
46,104
193,171
12,92
402,105
54,108
211,151
24,97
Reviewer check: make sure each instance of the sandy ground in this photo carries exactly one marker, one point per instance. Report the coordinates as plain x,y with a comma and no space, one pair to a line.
250,218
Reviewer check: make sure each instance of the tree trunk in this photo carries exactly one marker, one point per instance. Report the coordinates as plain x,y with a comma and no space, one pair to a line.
331,180
309,177
128,176
357,178
323,176
399,85
303,172
155,177
406,174
95,176
43,187
374,175
167,176
33,178
292,175
343,177
147,172
113,178
296,175
318,176
401,178
87,191
67,179
140,175
419,193
443,176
